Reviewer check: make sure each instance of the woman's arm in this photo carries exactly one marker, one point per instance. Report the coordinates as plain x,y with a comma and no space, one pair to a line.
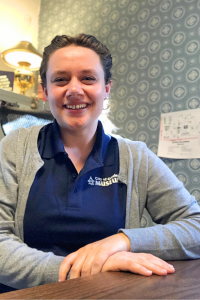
176,213
20,266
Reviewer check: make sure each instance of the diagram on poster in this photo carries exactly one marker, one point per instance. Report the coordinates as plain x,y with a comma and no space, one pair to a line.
180,134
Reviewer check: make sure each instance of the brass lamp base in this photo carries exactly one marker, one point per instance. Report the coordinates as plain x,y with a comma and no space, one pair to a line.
24,78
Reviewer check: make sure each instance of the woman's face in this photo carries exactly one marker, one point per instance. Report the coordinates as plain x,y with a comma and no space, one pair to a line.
75,87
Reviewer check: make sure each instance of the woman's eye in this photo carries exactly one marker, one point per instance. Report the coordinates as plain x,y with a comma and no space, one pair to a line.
89,79
60,81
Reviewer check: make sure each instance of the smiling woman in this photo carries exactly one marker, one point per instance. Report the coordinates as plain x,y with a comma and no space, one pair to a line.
72,197
74,91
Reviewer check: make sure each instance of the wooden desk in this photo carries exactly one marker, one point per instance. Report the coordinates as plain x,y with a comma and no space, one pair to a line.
183,284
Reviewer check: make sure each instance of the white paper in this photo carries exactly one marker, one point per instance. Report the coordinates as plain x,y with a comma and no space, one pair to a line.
180,134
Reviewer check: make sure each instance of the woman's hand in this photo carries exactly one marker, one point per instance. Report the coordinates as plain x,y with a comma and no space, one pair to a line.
140,263
91,258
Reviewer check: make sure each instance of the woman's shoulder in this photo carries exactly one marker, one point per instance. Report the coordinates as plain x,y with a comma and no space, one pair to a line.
127,143
135,151
21,133
19,139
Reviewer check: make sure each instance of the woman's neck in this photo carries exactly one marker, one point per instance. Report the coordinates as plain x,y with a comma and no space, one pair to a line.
78,145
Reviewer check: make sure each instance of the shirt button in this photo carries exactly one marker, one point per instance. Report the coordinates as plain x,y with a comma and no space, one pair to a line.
75,191
74,175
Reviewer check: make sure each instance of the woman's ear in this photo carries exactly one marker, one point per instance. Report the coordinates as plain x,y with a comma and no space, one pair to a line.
45,92
107,89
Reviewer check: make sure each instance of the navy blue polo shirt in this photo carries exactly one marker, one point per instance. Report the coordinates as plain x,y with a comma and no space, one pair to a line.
66,210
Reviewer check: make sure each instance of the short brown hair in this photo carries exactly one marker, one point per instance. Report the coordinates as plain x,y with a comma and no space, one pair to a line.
82,40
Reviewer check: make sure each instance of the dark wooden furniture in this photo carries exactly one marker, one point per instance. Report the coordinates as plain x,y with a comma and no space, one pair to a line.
183,284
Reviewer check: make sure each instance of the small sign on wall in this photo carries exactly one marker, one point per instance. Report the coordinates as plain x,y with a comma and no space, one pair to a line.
180,134
6,80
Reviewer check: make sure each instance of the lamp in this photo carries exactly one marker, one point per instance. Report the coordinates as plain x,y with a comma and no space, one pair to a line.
26,59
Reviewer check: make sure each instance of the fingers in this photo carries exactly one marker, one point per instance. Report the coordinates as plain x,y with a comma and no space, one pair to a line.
139,269
154,268
88,262
97,264
66,265
91,258
79,269
155,264
139,263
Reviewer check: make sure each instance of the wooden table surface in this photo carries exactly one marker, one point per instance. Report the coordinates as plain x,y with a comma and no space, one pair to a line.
183,284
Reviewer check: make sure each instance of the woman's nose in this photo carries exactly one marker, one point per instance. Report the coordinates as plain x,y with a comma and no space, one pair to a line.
74,87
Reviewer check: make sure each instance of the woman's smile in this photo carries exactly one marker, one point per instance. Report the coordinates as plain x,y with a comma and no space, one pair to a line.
75,107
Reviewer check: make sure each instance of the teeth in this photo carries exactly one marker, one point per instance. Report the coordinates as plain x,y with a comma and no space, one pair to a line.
76,106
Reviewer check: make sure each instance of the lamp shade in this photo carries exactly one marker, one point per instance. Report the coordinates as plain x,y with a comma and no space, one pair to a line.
23,52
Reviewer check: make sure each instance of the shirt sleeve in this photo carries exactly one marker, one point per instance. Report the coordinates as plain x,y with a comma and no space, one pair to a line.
176,235
20,266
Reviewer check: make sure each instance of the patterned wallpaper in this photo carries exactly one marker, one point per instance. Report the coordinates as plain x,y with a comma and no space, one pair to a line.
155,48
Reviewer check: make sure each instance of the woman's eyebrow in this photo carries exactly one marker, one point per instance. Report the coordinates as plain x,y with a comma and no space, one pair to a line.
59,72
88,71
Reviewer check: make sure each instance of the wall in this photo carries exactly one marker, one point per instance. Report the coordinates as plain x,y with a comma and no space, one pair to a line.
12,31
155,49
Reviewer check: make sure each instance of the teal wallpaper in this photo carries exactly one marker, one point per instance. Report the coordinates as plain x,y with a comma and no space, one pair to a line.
155,48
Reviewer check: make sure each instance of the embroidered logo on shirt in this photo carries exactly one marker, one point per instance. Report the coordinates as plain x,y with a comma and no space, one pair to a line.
103,181
91,181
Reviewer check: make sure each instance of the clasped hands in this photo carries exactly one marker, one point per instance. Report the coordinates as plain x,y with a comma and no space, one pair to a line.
111,254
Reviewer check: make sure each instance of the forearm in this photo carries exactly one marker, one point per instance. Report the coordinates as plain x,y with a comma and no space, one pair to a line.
177,240
22,267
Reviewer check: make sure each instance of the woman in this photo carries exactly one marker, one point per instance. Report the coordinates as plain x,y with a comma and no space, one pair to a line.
72,197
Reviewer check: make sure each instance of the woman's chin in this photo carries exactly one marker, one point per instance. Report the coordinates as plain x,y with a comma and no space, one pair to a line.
77,125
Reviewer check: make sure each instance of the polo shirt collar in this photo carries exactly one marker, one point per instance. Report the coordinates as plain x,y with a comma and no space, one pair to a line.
100,146
53,144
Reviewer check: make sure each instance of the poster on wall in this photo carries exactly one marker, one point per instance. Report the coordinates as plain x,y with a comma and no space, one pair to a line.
6,80
179,136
